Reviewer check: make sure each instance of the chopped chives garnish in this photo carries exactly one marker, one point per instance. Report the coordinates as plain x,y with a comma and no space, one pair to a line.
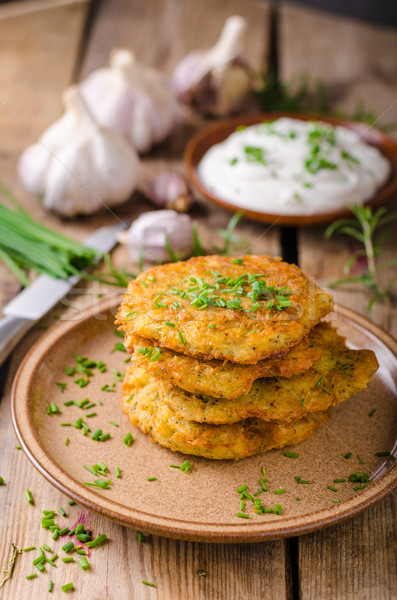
83,552
50,585
67,441
79,528
332,488
71,502
29,548
29,497
297,498
360,458
113,423
66,424
67,587
169,324
89,415
300,480
373,411
32,576
97,541
335,501
104,437
55,534
118,472
18,448
46,548
128,439
278,509
247,495
62,512
68,559
141,537
278,492
63,531
242,488
339,480
84,564
243,515
348,455
380,454
237,261
151,478
291,455
148,583
68,547
181,337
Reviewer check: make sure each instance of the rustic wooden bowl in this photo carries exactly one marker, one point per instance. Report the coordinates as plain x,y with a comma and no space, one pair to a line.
219,131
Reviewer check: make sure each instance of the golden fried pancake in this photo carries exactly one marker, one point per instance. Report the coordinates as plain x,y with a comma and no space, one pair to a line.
147,411
224,379
216,307
338,374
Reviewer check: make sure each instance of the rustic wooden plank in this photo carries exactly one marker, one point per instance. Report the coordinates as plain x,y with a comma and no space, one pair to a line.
38,53
355,559
119,567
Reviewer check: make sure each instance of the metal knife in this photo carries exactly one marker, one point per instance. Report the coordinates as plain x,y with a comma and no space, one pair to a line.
33,302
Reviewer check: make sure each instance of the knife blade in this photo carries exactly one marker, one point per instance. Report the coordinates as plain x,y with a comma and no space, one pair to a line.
33,302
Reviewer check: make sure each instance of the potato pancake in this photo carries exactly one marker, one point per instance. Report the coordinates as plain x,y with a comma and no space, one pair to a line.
217,307
224,379
338,374
143,404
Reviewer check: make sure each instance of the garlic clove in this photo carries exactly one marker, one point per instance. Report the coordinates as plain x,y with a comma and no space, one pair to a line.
216,81
146,237
170,190
133,100
78,167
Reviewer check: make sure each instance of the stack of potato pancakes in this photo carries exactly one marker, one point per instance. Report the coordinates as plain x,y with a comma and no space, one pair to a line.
229,357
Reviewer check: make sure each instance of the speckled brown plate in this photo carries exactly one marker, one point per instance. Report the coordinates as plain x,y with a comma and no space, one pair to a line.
219,131
202,504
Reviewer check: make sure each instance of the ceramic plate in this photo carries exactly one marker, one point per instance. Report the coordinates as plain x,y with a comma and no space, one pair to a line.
202,504
219,131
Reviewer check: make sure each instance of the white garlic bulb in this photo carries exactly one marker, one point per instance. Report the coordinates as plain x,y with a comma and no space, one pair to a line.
132,100
78,167
216,81
170,190
151,233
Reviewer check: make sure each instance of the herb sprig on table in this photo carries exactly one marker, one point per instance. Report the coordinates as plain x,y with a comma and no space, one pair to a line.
365,230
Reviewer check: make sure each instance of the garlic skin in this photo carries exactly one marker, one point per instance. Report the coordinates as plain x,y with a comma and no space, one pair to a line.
146,238
216,81
170,190
78,167
132,100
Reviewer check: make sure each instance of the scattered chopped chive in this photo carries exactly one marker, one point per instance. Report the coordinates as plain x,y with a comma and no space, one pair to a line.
278,509
128,439
62,512
93,414
151,478
71,532
278,492
40,566
71,502
67,441
29,548
148,583
201,573
339,480
55,534
300,480
50,585
83,552
84,564
380,454
237,261
29,497
169,324
68,559
335,501
66,424
298,499
269,510
67,587
141,537
38,560
32,576
83,537
104,437
373,411
291,455
114,424
97,541
360,458
79,528
181,337
242,488
90,405
53,409
62,386
332,488
247,495
46,548
319,381
2,482
68,547
243,515
348,455
118,473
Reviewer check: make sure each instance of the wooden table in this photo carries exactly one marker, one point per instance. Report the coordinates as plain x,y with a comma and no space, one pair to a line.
42,52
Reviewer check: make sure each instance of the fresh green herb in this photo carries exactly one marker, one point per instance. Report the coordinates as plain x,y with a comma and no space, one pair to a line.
62,386
339,480
382,454
170,324
242,488
332,488
68,559
32,576
364,229
291,455
68,547
50,585
68,587
141,537
373,411
128,439
360,458
151,478
84,564
97,541
299,479
255,154
278,492
62,512
148,583
243,515
335,501
29,497
53,409
181,337
348,455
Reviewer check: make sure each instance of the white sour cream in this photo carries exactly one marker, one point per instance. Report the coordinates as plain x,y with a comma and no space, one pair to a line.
293,167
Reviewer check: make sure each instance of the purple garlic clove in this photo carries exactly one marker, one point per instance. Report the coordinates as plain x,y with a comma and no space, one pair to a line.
171,190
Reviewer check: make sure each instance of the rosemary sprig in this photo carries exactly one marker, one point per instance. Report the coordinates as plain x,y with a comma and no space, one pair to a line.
364,229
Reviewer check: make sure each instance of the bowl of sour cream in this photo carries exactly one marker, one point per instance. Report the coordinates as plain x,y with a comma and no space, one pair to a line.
293,169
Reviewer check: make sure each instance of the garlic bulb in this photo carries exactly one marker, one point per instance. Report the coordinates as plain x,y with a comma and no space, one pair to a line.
78,167
170,190
215,81
150,234
132,100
